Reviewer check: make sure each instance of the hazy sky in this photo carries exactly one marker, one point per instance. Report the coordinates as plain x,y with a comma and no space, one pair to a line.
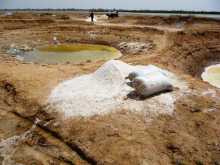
123,4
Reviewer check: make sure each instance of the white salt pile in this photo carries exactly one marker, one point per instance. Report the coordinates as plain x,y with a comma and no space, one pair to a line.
105,91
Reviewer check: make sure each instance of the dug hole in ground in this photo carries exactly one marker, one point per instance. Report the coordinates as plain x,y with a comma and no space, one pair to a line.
105,91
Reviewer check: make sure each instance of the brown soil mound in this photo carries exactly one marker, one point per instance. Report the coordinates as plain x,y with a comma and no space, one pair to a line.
193,50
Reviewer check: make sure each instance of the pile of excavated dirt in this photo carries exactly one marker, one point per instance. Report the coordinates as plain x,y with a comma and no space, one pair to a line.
192,50
106,90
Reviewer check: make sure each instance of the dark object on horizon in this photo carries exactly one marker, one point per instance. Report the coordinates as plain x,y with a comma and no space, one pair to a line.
92,16
112,15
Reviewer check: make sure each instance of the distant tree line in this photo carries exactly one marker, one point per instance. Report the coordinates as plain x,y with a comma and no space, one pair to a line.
120,10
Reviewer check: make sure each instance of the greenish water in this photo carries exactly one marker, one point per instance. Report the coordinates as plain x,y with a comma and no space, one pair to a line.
75,53
212,75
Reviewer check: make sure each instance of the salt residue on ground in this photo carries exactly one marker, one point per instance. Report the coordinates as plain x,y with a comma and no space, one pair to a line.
9,146
105,91
135,47
97,18
212,75
88,19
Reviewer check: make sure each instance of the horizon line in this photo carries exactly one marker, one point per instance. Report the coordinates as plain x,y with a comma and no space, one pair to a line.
105,9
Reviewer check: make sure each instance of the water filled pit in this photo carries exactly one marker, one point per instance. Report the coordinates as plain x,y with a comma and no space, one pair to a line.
75,53
212,75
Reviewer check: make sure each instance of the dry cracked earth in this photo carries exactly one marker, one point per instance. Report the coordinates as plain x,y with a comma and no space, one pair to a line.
32,134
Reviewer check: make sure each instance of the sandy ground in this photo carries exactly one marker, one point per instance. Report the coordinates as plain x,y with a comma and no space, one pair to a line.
31,134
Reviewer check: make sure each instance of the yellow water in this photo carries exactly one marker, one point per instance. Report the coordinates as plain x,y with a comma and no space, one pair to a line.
77,48
74,53
212,75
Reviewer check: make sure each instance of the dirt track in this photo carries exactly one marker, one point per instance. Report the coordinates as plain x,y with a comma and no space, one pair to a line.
190,136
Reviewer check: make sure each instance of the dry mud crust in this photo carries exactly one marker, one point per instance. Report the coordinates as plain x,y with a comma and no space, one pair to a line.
192,50
166,20
14,24
125,138
128,138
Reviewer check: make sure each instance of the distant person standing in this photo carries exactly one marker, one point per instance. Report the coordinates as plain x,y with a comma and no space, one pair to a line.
92,15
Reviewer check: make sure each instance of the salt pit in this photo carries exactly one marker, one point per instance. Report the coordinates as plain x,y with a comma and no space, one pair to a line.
212,75
74,53
105,91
